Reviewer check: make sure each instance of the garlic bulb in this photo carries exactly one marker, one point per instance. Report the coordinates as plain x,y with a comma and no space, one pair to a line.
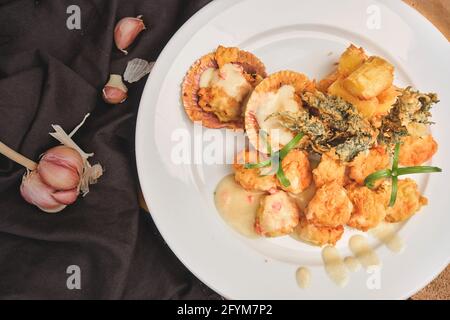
126,31
115,91
35,192
55,183
61,167
62,173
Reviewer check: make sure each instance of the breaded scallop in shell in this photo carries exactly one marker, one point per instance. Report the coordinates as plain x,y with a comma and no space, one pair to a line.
191,84
273,83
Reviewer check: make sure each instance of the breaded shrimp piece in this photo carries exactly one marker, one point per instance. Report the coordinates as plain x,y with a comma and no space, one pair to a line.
409,201
416,150
369,207
317,235
330,206
330,170
251,179
277,215
297,169
366,163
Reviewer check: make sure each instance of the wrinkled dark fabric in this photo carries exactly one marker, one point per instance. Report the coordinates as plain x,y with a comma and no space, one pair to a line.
52,75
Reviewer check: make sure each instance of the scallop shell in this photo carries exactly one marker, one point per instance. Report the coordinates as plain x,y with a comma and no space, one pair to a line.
137,69
191,85
272,83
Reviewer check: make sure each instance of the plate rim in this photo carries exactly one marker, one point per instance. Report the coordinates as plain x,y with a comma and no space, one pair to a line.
207,13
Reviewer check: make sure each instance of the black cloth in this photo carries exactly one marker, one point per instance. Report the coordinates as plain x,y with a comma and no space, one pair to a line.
52,75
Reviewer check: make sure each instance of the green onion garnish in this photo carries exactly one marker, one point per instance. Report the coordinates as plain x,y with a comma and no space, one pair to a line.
394,189
282,177
277,157
258,165
417,169
395,172
370,179
291,145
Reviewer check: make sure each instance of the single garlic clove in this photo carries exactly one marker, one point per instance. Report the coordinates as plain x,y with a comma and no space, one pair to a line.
126,31
115,91
36,192
66,197
61,168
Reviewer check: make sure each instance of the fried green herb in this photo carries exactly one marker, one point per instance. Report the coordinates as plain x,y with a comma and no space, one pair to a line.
409,115
329,122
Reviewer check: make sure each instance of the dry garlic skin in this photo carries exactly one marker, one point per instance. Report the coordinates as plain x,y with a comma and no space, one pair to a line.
277,215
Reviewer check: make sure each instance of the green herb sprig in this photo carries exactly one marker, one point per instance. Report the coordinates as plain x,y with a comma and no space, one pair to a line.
395,172
276,158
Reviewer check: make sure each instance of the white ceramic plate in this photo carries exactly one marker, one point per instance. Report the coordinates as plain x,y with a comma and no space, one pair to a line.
306,36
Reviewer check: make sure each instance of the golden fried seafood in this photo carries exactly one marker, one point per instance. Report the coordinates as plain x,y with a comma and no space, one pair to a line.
317,235
370,79
366,163
251,179
369,207
330,206
409,201
218,84
297,169
416,150
330,170
277,215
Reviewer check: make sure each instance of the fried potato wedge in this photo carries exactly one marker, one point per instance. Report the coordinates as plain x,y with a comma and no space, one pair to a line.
352,58
373,77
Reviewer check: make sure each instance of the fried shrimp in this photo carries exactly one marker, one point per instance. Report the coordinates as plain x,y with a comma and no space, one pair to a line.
369,207
366,163
317,235
251,179
277,215
416,150
329,170
409,201
330,206
297,169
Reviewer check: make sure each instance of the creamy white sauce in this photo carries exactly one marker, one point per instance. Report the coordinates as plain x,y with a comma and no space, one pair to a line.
334,266
230,78
361,249
387,234
237,206
207,76
303,198
303,277
352,264
272,102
